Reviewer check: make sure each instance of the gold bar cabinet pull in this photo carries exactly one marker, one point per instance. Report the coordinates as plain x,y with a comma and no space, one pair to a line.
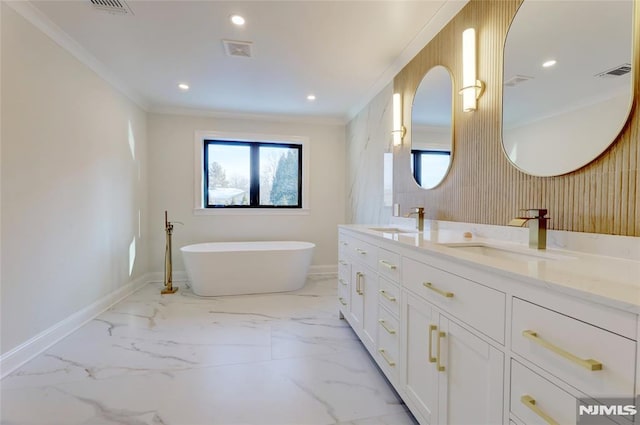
530,402
386,295
386,358
438,365
359,276
431,329
386,328
588,364
445,294
388,265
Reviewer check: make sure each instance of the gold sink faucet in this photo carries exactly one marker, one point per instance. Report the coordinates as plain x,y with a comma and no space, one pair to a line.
419,212
537,226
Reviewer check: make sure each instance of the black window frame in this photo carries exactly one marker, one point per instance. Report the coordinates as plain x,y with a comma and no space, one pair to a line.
254,171
416,154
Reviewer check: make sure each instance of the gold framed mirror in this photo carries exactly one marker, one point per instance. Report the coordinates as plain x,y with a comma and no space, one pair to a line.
432,128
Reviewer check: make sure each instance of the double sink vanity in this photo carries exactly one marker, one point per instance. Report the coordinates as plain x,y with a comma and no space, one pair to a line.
471,330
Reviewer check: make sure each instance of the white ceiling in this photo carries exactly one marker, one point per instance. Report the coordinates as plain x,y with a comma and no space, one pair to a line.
344,52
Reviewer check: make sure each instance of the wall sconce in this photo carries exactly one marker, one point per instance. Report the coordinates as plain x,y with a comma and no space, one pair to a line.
472,88
398,129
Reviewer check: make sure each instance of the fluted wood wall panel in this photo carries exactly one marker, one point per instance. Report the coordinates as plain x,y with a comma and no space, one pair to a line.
482,186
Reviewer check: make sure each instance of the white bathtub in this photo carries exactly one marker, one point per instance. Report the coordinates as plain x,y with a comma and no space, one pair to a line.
234,268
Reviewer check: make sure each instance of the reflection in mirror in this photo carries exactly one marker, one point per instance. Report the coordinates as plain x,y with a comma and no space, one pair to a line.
567,83
431,128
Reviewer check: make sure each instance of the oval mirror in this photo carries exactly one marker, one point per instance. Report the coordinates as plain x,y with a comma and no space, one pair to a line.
431,128
567,83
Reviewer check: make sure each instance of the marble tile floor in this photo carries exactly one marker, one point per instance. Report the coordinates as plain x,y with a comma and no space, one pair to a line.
184,360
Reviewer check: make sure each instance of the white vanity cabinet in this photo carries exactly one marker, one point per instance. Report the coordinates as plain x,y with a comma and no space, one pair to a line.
364,303
369,297
477,305
419,371
588,352
388,349
361,310
344,275
598,363
450,375
464,343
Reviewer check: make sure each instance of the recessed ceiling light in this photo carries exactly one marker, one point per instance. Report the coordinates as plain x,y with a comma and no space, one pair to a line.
549,63
183,86
311,97
237,20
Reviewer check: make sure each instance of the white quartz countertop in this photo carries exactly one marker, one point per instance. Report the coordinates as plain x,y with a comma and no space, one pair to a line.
607,280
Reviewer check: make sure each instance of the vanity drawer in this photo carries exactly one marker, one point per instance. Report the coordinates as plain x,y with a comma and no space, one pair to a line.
389,296
570,349
344,268
533,396
389,264
344,241
343,301
343,287
479,306
343,277
365,252
388,340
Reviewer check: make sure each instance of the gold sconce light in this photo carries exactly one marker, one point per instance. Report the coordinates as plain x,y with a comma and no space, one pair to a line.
398,129
472,88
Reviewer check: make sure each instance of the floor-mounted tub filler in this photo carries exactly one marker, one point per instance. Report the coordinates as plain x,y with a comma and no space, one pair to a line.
235,268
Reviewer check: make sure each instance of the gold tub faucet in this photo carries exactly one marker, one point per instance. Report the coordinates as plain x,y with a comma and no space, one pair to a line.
537,221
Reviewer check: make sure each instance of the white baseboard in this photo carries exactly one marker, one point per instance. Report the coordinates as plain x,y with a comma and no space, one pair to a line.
181,276
326,269
158,277
26,351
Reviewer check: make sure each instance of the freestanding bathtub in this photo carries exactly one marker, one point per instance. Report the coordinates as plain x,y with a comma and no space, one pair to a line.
235,268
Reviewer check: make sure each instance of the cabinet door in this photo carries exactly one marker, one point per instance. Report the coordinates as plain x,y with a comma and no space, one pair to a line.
356,306
370,320
419,374
470,388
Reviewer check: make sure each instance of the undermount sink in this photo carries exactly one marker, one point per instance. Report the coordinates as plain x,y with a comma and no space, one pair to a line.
391,230
506,253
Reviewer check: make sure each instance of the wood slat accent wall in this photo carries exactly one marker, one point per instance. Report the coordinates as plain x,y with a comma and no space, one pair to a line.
482,186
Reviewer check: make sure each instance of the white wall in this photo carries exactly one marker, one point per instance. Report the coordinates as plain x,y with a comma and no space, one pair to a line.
171,181
73,184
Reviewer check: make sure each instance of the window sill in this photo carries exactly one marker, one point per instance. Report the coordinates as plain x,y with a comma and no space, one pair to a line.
250,211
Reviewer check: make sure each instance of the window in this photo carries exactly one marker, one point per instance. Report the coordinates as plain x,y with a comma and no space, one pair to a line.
429,166
252,174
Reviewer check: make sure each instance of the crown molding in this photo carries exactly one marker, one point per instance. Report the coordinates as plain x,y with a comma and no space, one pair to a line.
32,14
431,28
302,119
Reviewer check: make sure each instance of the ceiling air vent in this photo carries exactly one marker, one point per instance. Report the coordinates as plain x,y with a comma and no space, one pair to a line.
237,48
116,7
615,72
516,80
